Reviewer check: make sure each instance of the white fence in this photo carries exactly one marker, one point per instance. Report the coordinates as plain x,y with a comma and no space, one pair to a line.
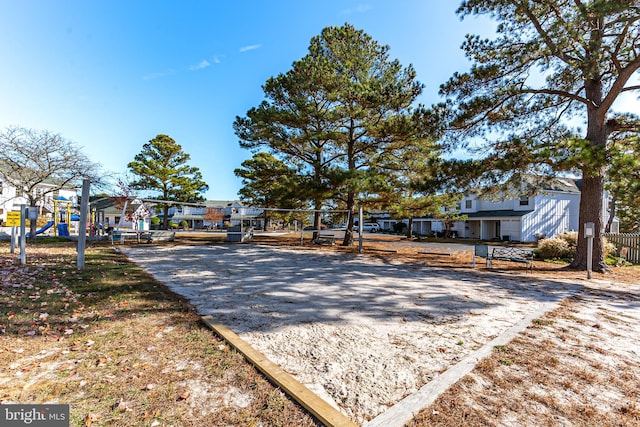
629,241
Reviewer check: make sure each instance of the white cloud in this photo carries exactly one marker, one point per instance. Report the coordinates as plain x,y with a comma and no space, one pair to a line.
201,65
250,47
361,8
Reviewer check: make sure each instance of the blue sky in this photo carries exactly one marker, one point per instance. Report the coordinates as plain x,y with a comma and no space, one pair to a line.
111,75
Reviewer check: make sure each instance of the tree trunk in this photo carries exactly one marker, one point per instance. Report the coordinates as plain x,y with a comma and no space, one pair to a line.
410,227
165,218
591,203
348,234
317,223
592,191
593,173
33,227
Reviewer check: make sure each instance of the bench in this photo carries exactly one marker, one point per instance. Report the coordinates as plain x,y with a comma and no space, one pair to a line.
160,236
512,254
325,239
504,253
120,236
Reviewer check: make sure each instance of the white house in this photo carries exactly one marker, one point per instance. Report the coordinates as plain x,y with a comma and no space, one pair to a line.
248,215
232,212
553,209
136,216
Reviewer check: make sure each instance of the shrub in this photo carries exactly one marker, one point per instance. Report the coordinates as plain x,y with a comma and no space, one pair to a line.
184,224
564,245
173,225
571,237
155,220
554,248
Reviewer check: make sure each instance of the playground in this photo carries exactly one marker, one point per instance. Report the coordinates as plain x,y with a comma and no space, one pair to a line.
362,332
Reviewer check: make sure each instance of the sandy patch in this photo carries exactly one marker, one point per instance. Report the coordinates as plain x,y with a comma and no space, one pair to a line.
578,365
359,331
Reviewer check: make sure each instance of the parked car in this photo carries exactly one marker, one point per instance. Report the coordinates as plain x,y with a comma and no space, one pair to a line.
371,227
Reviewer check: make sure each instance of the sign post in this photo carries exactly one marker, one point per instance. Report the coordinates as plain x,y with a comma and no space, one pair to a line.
589,232
13,221
23,234
82,234
360,229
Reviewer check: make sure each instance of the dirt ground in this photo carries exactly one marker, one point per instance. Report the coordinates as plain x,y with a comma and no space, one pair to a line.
366,331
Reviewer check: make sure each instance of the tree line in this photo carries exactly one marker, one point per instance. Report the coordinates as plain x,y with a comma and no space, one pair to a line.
342,127
343,120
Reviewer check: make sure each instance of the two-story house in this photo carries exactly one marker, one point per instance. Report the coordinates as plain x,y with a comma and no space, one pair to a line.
552,209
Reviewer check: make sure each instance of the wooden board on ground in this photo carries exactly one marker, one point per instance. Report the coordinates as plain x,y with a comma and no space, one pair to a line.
324,412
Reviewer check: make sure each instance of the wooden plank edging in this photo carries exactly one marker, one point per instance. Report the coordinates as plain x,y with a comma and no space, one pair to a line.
404,411
324,412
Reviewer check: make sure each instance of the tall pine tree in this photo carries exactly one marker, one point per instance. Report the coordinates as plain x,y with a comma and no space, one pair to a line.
337,115
551,61
161,168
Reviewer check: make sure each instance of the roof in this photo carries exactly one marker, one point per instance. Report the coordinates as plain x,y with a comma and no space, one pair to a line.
131,207
567,185
219,203
532,184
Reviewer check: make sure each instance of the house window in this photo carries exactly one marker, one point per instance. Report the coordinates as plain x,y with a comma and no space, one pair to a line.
524,201
468,204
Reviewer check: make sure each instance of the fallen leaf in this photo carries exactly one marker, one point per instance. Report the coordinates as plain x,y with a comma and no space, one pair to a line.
90,418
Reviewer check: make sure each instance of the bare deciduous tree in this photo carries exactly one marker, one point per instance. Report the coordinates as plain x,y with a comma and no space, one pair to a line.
40,162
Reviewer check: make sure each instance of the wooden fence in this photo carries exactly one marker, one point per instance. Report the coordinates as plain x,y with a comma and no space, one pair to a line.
629,241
